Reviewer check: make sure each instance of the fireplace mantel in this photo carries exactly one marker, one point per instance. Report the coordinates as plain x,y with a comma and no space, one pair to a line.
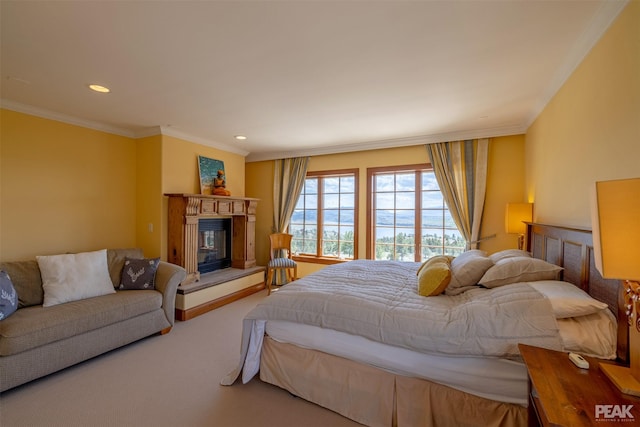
185,210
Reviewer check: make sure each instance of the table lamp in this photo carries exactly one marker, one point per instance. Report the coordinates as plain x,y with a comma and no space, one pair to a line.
615,215
516,216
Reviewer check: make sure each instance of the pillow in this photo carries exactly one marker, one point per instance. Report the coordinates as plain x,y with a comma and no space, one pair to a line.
139,273
519,269
434,278
436,258
593,335
8,296
73,277
466,270
115,261
568,300
508,253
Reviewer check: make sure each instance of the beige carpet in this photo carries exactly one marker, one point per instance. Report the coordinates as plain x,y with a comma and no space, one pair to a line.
170,380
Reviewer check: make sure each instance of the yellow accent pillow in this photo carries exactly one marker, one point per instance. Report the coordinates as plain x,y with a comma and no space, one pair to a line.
433,259
434,278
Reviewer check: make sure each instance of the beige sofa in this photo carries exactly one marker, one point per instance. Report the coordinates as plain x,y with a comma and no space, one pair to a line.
36,341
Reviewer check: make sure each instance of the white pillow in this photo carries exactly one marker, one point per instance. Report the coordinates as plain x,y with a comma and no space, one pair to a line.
72,277
519,269
568,300
594,335
466,269
508,253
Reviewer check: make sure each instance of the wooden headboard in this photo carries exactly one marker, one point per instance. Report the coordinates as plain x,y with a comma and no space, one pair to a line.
572,249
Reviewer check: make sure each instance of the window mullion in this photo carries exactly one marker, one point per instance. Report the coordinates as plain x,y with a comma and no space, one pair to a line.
320,225
418,218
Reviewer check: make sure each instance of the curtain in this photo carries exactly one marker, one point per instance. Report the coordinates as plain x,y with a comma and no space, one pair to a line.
460,168
288,179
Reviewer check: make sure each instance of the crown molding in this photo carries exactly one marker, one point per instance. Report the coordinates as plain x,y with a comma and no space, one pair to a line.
59,117
391,143
170,131
150,131
604,17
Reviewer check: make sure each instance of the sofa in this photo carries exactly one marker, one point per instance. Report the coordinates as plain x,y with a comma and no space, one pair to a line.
44,334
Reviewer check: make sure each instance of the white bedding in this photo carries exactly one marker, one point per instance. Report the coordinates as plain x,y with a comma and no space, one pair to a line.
495,376
379,301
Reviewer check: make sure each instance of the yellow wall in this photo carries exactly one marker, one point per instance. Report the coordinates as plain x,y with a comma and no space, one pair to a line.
590,131
149,231
64,188
505,183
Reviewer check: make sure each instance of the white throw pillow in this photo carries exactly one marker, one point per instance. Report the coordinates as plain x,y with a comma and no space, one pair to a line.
568,300
72,277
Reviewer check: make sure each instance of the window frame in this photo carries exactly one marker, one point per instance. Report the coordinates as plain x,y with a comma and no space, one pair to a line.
318,258
413,168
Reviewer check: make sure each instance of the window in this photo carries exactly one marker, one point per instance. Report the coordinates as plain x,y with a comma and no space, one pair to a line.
324,223
406,202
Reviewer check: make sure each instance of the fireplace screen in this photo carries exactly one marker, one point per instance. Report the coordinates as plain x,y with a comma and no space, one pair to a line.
214,244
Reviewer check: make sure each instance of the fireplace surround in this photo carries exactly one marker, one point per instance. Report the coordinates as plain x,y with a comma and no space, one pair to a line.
187,245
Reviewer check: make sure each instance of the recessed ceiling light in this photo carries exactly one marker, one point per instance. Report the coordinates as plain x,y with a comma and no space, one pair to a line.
99,88
240,137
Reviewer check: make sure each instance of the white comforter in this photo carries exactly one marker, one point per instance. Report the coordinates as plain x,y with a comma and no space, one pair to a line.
379,300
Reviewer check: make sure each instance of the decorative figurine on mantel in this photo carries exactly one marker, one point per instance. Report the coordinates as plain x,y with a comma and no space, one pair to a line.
219,185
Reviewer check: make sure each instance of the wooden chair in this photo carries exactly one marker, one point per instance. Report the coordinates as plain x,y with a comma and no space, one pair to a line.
280,242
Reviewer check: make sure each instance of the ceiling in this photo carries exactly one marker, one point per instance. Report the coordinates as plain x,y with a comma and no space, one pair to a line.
295,77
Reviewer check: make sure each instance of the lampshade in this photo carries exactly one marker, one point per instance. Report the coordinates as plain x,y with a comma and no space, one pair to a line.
615,220
516,214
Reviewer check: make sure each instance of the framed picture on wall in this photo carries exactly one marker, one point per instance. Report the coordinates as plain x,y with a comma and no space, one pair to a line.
208,169
212,177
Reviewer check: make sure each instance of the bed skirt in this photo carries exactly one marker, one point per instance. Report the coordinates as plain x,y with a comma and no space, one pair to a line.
375,397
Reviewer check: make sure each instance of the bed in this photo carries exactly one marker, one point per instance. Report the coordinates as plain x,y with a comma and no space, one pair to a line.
346,340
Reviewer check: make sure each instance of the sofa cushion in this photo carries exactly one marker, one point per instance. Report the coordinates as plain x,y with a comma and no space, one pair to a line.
32,327
115,260
73,277
25,276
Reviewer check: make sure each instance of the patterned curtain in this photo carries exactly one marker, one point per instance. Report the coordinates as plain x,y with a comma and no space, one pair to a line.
289,176
461,171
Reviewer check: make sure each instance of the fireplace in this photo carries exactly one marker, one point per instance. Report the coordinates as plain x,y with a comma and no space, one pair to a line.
214,244
186,246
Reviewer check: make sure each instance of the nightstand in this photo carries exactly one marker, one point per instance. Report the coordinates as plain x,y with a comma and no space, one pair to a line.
561,394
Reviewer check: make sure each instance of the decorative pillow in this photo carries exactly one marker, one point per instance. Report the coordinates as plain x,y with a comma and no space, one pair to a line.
519,269
436,258
139,273
72,277
568,300
8,296
466,270
508,253
434,278
115,261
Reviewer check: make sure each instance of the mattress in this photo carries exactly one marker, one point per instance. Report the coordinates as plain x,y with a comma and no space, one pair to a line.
498,379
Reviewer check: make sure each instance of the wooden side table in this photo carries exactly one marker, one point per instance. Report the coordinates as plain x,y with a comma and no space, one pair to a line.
561,394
